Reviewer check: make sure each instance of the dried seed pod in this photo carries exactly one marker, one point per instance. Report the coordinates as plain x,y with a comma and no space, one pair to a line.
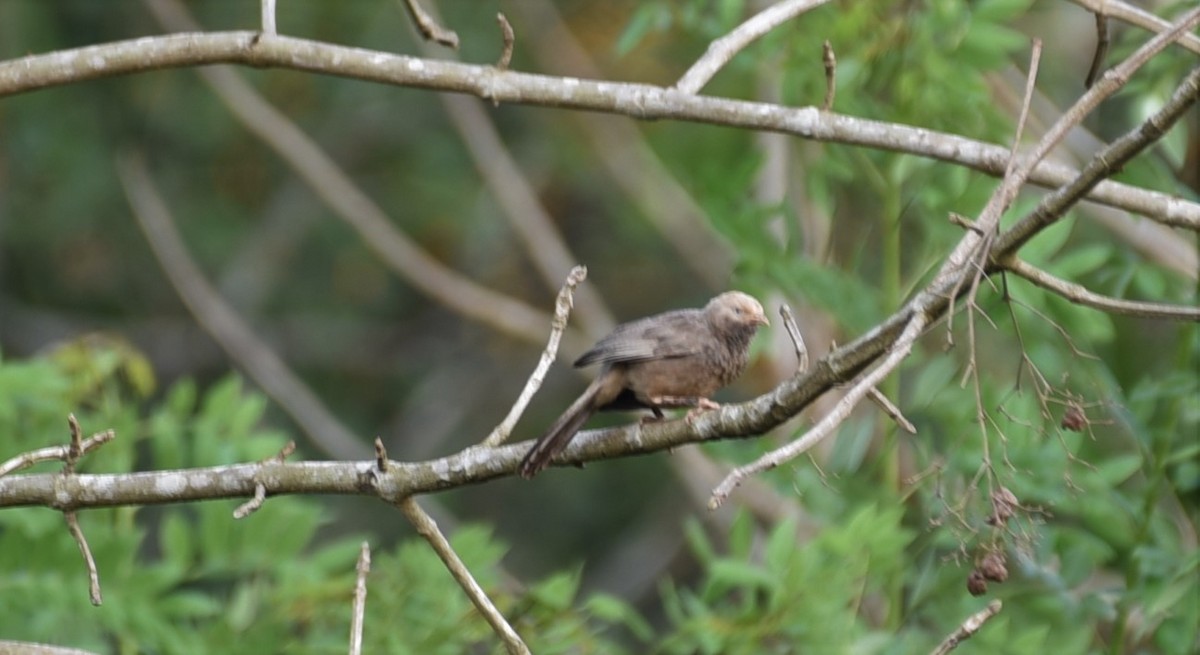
976,583
1074,419
993,567
1004,505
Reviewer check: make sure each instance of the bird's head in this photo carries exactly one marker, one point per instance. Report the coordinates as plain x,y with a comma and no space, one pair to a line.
736,310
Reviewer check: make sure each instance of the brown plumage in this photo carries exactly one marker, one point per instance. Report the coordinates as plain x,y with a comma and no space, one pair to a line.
674,359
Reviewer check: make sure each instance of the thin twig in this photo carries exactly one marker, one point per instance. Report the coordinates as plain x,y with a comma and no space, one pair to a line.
360,598
891,410
1082,296
250,506
1101,50
830,62
839,413
74,446
268,16
506,31
427,528
281,456
428,27
789,324
973,248
562,311
723,49
93,575
381,456
260,489
968,628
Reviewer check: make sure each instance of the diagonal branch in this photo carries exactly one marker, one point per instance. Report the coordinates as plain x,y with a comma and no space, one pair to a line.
1128,13
427,528
223,323
1082,296
348,201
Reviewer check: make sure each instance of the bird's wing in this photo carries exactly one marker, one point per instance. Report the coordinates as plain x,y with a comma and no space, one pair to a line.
673,334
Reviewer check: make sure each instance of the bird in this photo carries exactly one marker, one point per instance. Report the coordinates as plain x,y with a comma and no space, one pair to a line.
675,359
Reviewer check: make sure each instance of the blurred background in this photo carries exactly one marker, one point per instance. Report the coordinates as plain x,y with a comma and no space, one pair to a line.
378,261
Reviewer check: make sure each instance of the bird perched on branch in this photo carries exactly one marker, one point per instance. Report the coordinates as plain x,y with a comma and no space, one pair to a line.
674,359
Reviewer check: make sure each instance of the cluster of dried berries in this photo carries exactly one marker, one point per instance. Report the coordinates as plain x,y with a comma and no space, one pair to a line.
993,565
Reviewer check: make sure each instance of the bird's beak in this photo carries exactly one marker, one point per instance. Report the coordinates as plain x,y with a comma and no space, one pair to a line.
761,319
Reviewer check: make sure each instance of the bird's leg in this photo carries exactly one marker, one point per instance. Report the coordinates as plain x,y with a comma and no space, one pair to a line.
657,416
697,404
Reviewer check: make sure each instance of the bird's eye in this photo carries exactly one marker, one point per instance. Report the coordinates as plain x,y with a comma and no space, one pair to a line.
737,310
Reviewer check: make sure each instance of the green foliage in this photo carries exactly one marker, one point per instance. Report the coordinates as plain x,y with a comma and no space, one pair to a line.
193,579
792,594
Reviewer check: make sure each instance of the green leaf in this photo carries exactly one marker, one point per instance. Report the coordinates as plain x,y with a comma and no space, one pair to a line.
615,610
1116,470
648,17
999,11
781,545
1078,262
558,590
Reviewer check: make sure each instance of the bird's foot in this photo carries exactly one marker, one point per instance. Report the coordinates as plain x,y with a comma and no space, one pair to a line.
702,405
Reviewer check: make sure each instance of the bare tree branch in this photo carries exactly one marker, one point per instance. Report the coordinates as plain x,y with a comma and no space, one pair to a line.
427,528
1104,163
968,628
1082,296
638,100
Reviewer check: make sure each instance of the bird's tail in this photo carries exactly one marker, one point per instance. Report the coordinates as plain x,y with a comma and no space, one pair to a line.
559,434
